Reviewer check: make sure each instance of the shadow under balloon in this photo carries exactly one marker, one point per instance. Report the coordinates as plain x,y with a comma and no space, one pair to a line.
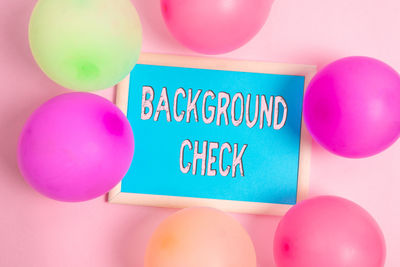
314,56
152,23
261,229
27,86
132,238
14,36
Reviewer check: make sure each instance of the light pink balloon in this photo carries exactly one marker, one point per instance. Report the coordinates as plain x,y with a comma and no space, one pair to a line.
215,26
200,237
75,147
352,107
328,231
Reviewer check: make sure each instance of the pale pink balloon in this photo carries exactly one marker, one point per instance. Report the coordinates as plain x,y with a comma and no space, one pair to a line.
200,237
215,26
328,231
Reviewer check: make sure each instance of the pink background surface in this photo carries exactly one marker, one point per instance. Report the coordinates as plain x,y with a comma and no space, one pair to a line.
36,231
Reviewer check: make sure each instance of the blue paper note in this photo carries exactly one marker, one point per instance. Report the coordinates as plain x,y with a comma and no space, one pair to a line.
246,163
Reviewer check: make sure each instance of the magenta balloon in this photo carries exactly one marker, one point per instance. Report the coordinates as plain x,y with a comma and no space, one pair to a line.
330,232
215,26
352,107
75,147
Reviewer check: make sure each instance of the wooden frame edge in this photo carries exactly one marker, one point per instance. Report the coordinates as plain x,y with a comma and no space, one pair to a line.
305,150
226,64
121,101
122,95
184,202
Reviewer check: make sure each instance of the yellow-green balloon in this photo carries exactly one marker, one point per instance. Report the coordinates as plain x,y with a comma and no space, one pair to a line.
85,45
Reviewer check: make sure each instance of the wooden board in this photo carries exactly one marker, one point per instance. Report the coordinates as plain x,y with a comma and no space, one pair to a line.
270,175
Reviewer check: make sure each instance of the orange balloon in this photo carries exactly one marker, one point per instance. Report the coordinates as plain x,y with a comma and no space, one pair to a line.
200,237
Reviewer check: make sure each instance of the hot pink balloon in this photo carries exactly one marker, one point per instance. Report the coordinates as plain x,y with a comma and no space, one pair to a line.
200,237
75,147
215,26
330,232
352,107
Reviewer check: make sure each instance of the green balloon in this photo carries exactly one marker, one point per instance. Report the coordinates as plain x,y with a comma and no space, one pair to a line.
85,45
